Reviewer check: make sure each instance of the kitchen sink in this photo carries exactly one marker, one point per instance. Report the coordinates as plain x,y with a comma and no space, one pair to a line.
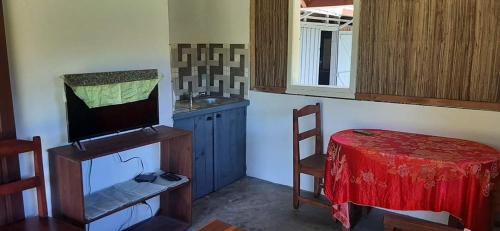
214,100
202,103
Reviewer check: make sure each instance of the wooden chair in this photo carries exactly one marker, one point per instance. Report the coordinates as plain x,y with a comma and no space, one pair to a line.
401,223
42,222
312,165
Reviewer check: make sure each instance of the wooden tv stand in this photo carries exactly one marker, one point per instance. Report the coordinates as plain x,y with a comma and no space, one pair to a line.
68,199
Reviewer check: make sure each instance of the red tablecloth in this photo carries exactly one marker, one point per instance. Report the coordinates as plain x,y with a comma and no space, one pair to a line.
404,171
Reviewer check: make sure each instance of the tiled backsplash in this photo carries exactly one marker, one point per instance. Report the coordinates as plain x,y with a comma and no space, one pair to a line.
218,69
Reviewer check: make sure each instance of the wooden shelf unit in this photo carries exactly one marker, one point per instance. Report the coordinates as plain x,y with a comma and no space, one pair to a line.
114,203
65,164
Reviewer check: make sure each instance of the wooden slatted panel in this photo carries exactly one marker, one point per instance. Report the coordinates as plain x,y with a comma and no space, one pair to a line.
310,50
11,207
486,58
270,44
442,49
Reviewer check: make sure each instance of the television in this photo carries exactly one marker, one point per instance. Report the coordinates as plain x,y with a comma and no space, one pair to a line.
86,123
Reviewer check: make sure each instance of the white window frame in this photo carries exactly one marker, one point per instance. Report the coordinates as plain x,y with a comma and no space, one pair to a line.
293,74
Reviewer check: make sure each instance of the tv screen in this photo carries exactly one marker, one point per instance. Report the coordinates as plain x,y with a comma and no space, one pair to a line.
86,123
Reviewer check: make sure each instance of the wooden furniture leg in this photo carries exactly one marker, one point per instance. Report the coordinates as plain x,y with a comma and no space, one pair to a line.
317,186
296,189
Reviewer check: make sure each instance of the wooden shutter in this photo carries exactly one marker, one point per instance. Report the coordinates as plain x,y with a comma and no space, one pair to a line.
11,207
436,52
269,38
309,55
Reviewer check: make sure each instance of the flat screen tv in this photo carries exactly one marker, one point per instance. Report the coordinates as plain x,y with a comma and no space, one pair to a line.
86,123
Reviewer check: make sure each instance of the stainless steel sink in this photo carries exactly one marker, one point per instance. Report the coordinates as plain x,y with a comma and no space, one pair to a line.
211,101
202,103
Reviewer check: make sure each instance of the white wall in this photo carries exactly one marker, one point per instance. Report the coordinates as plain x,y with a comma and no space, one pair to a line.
47,39
269,132
214,21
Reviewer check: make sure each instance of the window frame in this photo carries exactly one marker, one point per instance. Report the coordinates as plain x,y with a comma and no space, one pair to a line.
293,74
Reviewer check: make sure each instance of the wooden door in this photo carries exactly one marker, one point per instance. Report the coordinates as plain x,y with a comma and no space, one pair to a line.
11,207
310,39
202,128
229,146
204,156
344,59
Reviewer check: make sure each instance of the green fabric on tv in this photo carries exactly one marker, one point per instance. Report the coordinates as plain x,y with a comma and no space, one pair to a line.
115,94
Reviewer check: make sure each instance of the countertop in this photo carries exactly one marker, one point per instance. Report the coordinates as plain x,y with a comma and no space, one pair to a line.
199,108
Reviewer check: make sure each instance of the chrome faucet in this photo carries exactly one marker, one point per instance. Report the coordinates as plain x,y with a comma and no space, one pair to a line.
190,101
203,93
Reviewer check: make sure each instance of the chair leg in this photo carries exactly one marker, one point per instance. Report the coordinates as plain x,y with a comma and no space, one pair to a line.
296,189
365,210
317,186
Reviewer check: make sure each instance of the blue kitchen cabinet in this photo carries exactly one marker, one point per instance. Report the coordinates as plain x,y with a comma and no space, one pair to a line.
203,161
219,145
229,147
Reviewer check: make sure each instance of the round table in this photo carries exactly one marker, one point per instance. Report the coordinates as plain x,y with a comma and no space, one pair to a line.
404,171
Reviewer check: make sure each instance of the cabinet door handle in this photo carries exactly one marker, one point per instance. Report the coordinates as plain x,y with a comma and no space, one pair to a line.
218,115
209,118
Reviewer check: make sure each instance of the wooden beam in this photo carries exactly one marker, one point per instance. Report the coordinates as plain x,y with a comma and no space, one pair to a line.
277,90
323,3
346,12
252,44
430,101
303,3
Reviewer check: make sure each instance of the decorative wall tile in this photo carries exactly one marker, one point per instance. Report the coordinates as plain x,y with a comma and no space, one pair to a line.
218,69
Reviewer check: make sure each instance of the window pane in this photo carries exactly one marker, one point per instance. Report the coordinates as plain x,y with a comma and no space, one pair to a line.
326,44
325,53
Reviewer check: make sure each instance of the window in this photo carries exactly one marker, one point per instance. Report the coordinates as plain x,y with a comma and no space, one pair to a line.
410,52
322,50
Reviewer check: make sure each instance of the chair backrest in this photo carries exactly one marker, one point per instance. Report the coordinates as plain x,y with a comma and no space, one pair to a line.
315,132
16,147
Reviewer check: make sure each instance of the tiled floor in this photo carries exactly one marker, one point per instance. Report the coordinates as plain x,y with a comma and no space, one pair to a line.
254,204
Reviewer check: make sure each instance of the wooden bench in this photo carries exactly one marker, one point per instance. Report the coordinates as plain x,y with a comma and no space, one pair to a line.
220,226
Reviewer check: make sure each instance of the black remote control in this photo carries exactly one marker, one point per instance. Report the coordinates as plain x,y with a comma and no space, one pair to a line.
170,176
363,132
145,178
